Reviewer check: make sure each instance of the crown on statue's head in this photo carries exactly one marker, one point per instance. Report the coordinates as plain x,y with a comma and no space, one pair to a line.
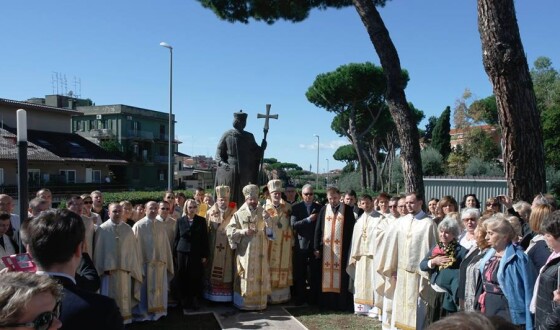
275,185
251,190
222,192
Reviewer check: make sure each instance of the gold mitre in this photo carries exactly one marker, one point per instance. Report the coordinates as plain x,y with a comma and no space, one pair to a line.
222,192
275,185
251,190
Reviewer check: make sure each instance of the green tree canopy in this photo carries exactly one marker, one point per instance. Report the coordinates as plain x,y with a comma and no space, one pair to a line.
484,110
346,153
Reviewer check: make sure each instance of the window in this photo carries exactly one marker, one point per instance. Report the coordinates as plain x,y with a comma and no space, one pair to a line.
161,175
68,175
93,175
96,176
34,176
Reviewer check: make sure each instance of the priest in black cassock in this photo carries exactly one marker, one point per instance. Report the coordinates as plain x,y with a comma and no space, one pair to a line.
333,237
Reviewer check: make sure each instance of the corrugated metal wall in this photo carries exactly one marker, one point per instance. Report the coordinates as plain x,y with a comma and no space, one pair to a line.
459,187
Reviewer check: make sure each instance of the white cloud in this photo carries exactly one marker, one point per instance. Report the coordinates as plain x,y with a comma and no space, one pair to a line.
333,144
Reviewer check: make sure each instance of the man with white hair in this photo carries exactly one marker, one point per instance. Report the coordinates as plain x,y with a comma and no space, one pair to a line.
247,233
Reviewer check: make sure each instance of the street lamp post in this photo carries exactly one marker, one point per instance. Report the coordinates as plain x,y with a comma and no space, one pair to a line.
317,181
170,152
327,171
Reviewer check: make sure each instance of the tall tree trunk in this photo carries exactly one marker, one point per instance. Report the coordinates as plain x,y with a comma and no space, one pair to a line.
359,146
372,162
505,63
396,99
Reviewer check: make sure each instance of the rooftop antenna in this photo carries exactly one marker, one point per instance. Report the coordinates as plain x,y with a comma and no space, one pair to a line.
65,90
77,87
53,81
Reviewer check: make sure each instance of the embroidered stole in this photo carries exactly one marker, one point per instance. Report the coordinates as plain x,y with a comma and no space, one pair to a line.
280,249
333,231
222,256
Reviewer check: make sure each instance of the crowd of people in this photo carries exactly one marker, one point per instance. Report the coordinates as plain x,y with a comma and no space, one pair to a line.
379,256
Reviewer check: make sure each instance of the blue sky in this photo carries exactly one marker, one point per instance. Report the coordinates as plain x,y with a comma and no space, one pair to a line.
220,67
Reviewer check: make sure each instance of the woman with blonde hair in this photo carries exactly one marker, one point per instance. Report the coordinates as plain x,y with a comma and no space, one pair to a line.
537,250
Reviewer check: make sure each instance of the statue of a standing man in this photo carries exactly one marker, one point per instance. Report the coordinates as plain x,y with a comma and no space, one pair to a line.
238,157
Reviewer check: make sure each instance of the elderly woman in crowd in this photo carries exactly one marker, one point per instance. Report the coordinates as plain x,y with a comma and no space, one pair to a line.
470,201
538,251
508,277
442,263
469,273
28,300
448,205
547,281
469,217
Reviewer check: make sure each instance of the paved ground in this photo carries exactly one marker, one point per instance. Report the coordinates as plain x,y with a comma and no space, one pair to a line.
274,317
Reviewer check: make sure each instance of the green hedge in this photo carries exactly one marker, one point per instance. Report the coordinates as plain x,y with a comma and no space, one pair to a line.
139,197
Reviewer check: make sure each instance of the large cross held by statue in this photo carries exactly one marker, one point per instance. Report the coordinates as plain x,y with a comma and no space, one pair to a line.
266,117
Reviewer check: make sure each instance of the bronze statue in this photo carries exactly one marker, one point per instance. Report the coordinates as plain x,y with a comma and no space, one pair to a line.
238,157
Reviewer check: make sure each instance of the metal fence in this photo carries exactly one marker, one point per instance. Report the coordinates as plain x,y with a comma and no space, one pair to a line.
437,187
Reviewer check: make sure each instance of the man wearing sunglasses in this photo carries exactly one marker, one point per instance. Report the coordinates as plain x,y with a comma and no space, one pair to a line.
55,239
307,269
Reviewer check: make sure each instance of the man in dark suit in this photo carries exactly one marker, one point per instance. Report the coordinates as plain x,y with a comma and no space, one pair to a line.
306,267
55,240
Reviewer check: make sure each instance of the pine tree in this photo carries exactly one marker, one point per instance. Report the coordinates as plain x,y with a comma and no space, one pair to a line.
441,139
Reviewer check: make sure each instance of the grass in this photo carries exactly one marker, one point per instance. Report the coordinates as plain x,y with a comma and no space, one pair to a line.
315,319
175,320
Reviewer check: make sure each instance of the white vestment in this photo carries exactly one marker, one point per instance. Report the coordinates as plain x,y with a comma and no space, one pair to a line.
157,267
117,259
409,241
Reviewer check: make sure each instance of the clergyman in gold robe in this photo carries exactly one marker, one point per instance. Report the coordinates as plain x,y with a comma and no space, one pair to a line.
219,274
248,233
280,249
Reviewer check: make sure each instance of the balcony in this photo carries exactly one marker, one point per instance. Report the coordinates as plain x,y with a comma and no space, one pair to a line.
103,133
161,159
140,135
